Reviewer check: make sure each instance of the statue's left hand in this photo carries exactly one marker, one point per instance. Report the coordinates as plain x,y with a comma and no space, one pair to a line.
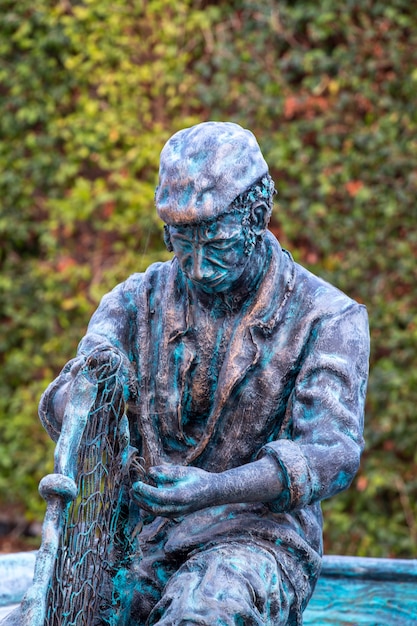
176,490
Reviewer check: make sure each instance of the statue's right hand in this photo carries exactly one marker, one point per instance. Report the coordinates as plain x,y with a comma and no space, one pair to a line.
104,362
100,363
97,366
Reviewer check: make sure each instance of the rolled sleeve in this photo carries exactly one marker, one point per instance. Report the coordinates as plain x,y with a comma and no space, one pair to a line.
319,452
294,472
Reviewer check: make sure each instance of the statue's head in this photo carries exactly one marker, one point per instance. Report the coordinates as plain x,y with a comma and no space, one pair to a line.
215,197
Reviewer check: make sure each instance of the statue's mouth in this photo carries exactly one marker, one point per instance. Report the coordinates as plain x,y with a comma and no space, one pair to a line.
208,283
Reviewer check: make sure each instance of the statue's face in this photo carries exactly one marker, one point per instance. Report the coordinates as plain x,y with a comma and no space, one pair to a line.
211,254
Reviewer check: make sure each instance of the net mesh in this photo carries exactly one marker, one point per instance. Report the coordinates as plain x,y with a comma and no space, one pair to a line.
96,543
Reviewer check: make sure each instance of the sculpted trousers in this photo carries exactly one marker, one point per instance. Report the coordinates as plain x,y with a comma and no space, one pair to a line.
233,583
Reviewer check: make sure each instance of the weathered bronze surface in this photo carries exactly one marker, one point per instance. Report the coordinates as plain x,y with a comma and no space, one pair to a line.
244,378
353,591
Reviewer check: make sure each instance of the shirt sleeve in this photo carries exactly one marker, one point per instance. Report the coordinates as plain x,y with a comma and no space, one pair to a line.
111,327
114,322
319,452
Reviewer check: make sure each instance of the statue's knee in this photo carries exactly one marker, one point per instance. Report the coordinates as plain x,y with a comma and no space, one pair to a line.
231,584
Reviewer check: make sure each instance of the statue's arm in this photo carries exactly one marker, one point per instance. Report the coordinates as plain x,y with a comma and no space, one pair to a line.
320,453
109,331
175,490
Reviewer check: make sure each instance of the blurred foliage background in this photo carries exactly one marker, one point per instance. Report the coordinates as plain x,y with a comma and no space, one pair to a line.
90,91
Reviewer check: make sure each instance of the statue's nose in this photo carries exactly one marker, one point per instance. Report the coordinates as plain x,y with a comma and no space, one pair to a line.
200,269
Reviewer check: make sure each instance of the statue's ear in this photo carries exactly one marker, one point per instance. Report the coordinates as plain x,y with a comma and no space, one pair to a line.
167,238
260,217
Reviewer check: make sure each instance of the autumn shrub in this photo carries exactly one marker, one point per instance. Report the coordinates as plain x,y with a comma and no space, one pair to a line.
91,90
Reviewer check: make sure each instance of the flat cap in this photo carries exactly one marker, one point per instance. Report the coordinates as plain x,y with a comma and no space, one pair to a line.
203,169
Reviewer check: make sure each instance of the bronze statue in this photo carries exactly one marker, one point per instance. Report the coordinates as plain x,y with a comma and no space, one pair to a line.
246,380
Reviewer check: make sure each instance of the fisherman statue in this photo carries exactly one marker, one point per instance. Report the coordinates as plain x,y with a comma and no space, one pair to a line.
250,376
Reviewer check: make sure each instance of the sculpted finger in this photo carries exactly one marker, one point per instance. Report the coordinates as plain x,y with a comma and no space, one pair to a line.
166,474
76,365
156,501
142,492
159,474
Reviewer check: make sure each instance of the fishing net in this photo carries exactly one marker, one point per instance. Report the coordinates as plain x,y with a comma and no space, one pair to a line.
98,550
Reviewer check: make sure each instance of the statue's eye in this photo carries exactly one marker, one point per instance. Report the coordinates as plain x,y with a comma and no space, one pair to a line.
181,242
220,244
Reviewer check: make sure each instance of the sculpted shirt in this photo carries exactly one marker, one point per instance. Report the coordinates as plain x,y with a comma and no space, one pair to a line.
289,381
